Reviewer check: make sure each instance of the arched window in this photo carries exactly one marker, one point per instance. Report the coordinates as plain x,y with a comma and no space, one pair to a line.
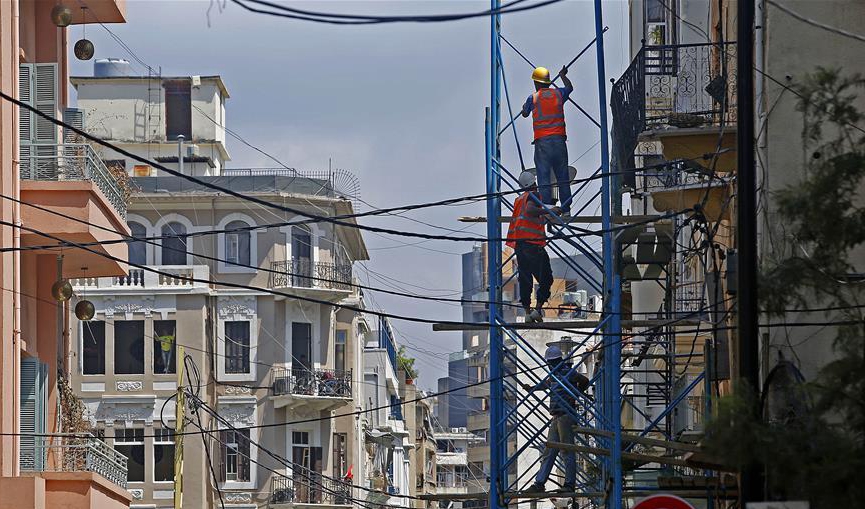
137,248
237,249
174,247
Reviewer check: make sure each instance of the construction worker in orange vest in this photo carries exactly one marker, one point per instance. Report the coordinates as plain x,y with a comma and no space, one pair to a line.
526,236
546,106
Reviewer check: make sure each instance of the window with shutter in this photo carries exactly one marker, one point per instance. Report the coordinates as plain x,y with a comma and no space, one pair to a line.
37,85
45,81
33,382
75,118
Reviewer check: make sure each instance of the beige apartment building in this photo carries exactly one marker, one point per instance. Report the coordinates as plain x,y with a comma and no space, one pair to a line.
248,293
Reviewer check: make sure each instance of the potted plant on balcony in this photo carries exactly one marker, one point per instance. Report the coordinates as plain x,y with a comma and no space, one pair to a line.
406,363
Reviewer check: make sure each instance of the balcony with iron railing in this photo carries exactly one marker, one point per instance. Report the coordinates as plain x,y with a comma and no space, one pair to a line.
676,90
73,453
308,488
72,196
72,162
310,389
320,278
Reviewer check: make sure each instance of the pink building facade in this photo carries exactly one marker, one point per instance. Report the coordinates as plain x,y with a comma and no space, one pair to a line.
53,188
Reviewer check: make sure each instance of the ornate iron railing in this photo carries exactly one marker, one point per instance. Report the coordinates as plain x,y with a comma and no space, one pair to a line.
75,453
684,85
306,486
71,162
304,273
325,383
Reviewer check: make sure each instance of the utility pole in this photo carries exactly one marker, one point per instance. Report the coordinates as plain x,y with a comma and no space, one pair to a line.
746,228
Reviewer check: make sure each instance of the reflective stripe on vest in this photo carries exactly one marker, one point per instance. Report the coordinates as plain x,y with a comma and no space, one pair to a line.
548,115
524,227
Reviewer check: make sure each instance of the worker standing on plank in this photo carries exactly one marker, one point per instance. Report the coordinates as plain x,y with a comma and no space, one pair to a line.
562,404
526,236
546,106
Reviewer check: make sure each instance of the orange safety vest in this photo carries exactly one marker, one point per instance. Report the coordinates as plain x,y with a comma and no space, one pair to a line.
524,227
548,113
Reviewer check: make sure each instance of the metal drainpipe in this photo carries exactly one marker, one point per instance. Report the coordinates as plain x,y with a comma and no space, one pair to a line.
180,153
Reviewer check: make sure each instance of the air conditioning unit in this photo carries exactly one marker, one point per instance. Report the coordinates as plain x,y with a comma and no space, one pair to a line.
192,150
579,298
462,430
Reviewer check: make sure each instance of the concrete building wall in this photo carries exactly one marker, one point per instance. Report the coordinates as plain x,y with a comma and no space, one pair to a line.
793,49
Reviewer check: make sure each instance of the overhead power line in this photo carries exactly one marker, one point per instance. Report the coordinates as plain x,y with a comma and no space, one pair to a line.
818,24
283,11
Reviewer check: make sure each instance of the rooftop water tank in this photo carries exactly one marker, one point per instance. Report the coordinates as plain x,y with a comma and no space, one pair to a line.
111,68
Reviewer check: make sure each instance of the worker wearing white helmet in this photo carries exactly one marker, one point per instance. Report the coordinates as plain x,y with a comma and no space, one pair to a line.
527,237
561,384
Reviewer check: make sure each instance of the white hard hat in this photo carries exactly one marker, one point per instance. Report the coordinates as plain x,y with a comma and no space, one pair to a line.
553,352
527,179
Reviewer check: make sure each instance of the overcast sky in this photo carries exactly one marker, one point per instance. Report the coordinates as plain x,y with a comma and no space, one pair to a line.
401,106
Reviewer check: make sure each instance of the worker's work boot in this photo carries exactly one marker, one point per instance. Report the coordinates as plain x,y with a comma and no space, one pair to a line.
536,316
536,488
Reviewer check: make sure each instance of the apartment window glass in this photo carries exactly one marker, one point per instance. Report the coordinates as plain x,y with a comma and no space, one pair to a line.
163,455
93,348
237,248
235,455
655,10
178,109
129,347
164,346
130,443
339,350
237,347
174,244
137,248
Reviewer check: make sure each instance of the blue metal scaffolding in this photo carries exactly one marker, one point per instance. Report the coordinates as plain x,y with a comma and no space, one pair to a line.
508,407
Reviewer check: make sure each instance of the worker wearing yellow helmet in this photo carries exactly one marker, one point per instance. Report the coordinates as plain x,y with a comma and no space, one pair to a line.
546,106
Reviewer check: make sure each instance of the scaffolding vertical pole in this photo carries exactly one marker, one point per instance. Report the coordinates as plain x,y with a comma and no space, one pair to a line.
612,287
498,432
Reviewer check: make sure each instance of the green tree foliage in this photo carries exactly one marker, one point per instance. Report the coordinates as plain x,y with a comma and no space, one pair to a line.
816,453
406,362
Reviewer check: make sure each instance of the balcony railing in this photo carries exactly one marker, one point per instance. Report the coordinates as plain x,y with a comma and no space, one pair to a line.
174,277
72,162
323,383
337,182
304,273
74,453
685,85
452,479
309,487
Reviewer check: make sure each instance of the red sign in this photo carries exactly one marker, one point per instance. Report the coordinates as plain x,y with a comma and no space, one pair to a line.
663,502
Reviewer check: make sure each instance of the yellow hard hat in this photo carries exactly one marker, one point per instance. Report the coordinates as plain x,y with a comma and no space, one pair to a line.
541,75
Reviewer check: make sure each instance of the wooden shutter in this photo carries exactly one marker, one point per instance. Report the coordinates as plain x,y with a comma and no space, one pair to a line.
25,120
45,100
34,378
75,118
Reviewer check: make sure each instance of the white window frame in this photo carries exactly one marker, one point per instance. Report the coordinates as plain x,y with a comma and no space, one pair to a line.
237,309
142,443
250,404
158,439
190,228
149,249
227,268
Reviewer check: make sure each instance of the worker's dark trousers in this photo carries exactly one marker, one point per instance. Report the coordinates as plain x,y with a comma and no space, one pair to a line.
551,160
533,263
